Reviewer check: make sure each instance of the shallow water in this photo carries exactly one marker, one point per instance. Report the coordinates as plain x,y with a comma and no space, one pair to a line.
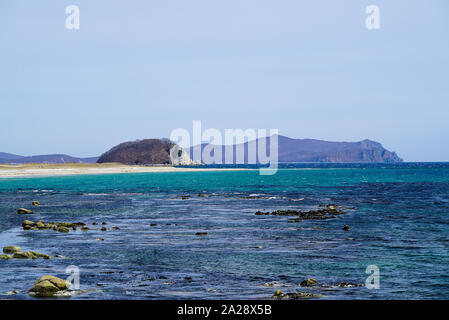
398,215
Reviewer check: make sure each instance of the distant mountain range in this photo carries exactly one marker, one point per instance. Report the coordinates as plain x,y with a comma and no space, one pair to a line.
154,151
311,150
49,158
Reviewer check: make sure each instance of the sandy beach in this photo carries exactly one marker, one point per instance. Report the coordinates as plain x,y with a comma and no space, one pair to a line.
27,170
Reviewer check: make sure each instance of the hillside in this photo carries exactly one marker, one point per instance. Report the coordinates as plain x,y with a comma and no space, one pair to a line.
143,152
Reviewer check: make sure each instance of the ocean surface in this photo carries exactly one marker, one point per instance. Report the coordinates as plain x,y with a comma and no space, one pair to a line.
398,217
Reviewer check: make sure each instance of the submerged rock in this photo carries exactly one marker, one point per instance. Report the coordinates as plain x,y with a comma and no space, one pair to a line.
11,293
62,229
49,286
35,203
329,212
11,249
201,234
310,282
85,228
24,211
103,229
346,228
30,255
296,295
349,284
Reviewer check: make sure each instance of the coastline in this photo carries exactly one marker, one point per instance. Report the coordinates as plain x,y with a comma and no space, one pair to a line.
43,170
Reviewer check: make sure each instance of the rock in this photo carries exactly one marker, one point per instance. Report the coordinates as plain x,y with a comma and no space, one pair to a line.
77,224
49,286
349,285
273,284
40,225
103,223
301,295
64,224
115,228
310,282
11,293
30,255
321,214
40,255
277,295
85,228
35,203
24,255
11,249
5,257
296,295
27,224
94,223
63,229
24,211
346,228
201,234
103,229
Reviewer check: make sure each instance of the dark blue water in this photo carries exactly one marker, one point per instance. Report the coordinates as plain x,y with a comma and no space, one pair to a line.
398,215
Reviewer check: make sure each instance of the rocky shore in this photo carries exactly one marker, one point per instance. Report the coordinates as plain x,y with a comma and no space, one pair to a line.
51,286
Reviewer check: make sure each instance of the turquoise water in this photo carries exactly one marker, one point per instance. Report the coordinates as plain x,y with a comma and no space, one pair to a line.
399,218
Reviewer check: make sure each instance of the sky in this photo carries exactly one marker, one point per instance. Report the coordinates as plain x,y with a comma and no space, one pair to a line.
140,69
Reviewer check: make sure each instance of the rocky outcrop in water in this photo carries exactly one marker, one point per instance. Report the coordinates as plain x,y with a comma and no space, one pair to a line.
330,212
296,295
24,211
49,286
15,252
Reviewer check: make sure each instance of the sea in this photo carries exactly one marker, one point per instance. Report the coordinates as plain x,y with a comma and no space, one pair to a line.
195,235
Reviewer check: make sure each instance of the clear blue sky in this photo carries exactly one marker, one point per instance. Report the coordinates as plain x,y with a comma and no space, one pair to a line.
138,69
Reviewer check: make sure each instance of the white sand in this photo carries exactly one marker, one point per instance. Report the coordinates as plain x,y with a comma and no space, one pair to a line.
27,170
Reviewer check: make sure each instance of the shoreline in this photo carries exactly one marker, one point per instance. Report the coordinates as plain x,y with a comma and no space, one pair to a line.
69,169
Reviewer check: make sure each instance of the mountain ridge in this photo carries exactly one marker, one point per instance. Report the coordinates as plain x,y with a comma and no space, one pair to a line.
8,158
313,150
290,150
